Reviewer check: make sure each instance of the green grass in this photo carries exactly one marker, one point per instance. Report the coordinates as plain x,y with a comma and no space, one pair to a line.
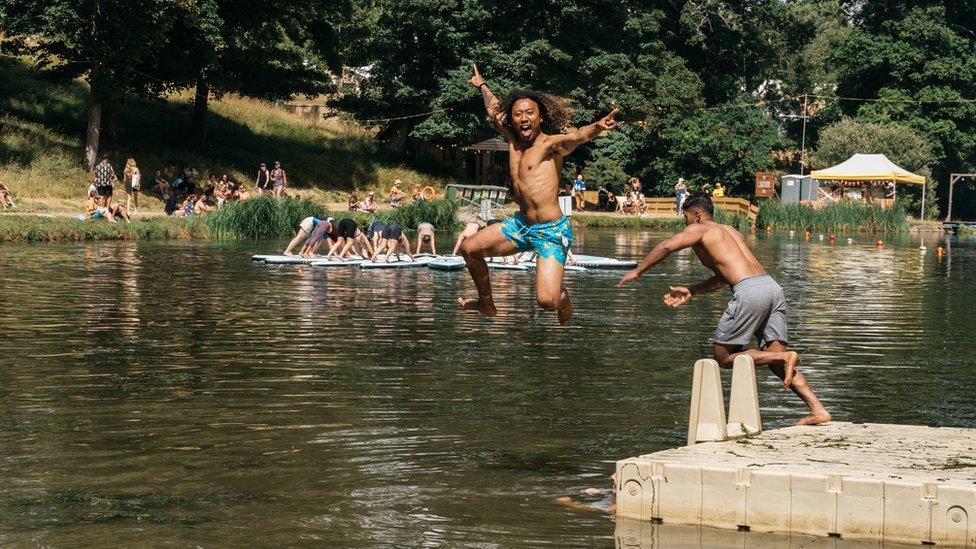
843,217
49,229
42,128
262,217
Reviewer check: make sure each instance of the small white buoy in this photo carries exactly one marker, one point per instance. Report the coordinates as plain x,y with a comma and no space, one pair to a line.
850,240
821,237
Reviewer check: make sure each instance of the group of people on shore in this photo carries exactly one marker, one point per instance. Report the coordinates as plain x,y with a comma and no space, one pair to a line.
345,238
182,196
632,200
396,196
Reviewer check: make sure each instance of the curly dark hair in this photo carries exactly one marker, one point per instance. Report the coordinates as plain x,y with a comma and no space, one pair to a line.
554,110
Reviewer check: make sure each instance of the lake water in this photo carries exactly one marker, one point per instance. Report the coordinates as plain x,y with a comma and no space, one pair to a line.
178,392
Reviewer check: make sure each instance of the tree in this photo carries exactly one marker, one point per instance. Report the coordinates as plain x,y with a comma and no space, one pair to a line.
102,40
267,49
916,62
901,144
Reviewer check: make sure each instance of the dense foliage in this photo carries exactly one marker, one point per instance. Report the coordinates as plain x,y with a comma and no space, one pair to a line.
844,217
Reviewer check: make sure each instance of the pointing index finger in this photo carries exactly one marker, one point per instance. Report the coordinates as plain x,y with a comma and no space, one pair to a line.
613,112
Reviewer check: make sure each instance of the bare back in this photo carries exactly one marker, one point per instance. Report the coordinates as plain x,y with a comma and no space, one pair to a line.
723,250
535,170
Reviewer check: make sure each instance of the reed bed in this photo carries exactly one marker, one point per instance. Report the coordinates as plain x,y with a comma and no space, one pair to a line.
610,221
842,217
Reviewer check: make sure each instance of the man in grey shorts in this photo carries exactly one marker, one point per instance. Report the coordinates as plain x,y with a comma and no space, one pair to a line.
757,308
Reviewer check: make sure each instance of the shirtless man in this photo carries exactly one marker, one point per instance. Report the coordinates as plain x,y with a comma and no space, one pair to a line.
758,306
531,122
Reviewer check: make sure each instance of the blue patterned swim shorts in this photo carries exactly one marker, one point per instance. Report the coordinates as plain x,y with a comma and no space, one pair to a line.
548,240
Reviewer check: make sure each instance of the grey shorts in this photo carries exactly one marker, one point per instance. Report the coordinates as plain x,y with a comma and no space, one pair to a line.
757,308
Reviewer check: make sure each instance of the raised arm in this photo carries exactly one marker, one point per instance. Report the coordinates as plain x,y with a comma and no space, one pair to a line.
685,239
492,103
566,143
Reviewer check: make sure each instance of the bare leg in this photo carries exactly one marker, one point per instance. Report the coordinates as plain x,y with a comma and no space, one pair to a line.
461,237
420,239
294,242
345,249
776,357
550,291
487,242
433,247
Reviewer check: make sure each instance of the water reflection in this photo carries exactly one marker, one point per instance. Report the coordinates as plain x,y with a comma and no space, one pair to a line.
178,391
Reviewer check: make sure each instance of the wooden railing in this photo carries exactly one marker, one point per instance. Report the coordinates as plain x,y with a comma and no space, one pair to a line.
665,206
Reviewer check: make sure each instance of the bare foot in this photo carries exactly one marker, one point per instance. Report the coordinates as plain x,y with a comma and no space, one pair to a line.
487,309
566,311
287,252
791,359
815,418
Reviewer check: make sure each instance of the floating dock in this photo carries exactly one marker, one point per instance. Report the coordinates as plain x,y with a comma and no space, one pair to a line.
894,483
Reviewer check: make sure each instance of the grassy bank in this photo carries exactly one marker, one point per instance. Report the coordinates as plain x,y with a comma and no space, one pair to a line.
42,127
613,221
259,218
58,229
843,217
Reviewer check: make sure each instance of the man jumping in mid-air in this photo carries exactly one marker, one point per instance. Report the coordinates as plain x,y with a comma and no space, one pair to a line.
531,123
758,307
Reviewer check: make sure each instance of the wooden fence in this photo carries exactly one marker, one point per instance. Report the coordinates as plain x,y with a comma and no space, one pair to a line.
665,206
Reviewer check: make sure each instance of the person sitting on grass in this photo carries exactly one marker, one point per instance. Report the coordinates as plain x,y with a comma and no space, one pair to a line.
353,201
6,199
425,233
206,203
187,206
396,194
95,209
242,193
393,241
369,203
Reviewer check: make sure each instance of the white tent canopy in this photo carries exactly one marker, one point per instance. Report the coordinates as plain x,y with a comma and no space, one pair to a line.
867,167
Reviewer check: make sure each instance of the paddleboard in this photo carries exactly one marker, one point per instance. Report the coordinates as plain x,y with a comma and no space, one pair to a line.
351,262
403,263
446,264
260,257
290,259
598,262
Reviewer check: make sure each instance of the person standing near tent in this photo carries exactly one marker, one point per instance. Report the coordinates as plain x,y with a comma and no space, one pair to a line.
757,308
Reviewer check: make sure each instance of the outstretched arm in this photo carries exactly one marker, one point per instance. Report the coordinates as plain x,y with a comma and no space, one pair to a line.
492,103
685,239
566,143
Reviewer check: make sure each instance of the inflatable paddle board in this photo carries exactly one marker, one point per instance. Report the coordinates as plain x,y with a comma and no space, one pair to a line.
403,263
598,262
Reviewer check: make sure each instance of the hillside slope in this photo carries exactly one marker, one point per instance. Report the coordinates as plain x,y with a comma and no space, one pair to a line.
42,125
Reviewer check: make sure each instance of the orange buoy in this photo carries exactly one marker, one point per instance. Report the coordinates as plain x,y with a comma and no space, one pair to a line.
769,228
879,244
939,250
